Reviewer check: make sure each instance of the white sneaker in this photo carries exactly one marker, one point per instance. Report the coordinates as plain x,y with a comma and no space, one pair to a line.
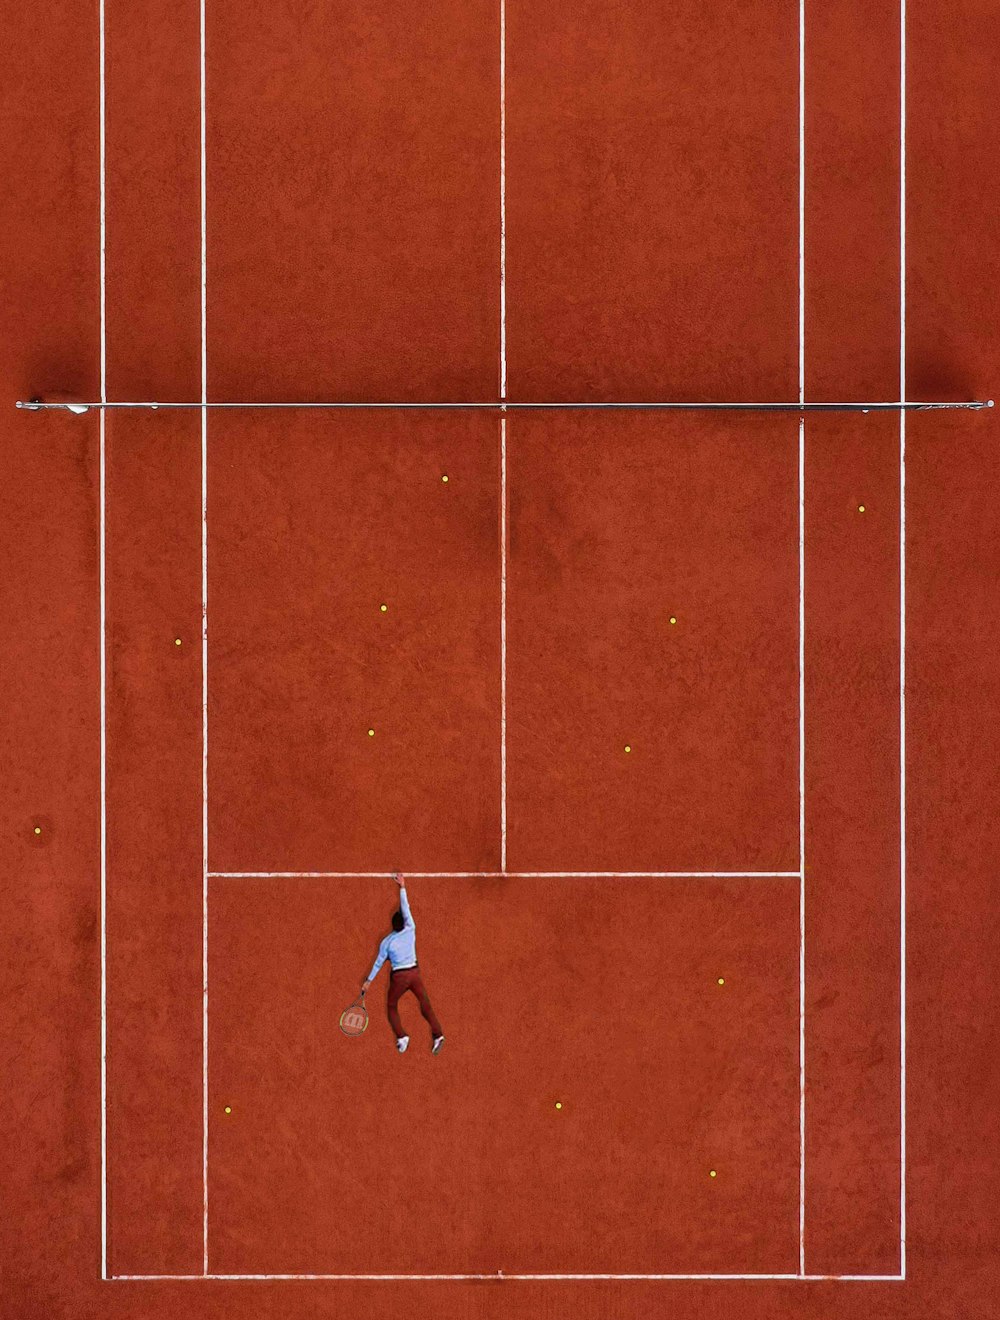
436,1044
401,1043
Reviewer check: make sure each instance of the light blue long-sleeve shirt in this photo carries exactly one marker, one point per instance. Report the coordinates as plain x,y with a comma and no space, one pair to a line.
399,946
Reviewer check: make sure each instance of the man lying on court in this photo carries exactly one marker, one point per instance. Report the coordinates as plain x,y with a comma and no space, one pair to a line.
400,947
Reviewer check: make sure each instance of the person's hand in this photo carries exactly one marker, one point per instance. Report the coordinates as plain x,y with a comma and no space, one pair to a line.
399,879
364,988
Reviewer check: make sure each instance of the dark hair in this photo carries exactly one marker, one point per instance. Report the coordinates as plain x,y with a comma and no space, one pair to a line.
397,921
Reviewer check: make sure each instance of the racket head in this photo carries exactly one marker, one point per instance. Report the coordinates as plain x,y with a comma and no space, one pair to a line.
354,1019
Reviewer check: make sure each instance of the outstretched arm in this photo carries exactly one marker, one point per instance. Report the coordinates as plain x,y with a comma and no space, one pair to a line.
383,950
404,905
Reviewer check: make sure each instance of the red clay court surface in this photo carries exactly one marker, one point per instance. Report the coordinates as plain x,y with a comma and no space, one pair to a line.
683,725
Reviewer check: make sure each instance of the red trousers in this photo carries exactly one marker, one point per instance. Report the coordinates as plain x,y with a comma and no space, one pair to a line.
399,984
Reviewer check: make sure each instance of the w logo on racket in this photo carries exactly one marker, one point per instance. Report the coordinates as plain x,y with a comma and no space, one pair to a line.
354,1020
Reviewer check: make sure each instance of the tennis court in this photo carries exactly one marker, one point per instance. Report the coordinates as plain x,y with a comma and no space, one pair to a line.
420,513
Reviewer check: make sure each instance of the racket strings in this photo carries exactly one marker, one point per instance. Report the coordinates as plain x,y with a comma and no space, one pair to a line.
354,1019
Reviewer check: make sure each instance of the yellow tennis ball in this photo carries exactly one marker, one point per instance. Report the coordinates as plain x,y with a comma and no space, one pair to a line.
383,608
38,829
371,733
559,1104
673,619
722,980
628,747
228,1110
177,641
861,508
444,477
711,1173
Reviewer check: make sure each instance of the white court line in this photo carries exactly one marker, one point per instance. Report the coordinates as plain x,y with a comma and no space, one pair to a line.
501,1276
504,875
103,677
103,648
801,1276
503,199
204,643
802,632
902,643
802,850
503,435
503,643
802,202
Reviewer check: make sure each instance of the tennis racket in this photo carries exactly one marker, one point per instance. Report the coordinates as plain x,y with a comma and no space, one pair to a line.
354,1020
